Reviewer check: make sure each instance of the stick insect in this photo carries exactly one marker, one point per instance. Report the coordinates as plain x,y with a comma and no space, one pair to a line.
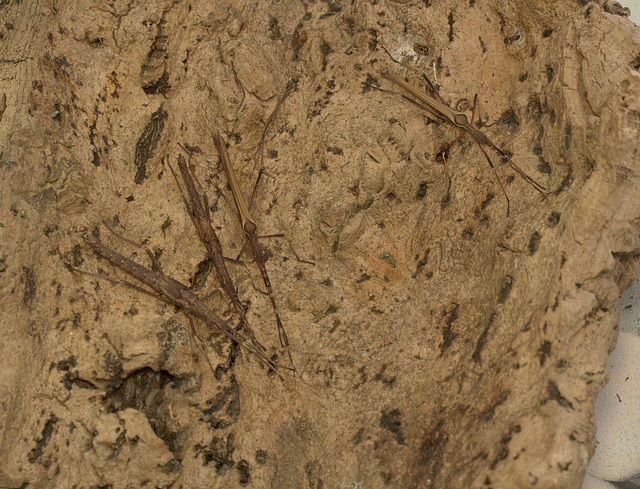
198,209
440,108
173,292
250,229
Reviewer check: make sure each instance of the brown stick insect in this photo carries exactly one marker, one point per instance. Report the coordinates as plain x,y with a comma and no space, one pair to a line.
440,108
250,230
198,210
172,292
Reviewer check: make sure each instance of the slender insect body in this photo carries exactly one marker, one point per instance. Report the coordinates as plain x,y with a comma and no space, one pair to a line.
173,292
250,229
441,109
258,252
198,210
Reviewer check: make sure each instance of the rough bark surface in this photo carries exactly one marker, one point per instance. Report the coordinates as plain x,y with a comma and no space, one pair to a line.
440,342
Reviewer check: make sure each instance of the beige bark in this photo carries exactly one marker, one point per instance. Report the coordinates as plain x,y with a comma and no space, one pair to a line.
440,342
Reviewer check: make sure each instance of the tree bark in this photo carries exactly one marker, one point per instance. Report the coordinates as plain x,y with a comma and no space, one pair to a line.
438,341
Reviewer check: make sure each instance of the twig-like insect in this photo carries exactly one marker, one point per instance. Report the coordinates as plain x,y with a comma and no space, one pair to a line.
198,209
440,108
250,230
173,292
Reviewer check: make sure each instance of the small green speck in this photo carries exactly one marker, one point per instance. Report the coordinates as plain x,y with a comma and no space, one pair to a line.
385,255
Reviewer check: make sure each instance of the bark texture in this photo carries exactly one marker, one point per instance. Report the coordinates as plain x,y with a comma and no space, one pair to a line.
440,342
